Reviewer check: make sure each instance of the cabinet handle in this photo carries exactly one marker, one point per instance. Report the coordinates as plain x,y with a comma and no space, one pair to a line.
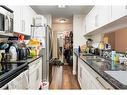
101,83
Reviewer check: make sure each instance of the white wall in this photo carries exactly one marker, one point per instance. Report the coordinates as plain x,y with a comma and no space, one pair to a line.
78,30
62,27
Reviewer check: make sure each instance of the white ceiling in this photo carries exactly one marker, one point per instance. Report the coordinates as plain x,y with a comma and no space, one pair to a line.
66,12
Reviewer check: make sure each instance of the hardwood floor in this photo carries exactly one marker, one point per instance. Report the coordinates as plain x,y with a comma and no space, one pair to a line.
64,79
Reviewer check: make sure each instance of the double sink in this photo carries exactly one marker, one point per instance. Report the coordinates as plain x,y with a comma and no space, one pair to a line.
117,73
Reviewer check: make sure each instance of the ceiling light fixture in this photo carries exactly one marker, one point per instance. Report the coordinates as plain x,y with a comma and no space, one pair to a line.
62,20
61,6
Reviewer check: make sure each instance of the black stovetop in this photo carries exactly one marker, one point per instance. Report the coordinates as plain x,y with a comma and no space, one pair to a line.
8,66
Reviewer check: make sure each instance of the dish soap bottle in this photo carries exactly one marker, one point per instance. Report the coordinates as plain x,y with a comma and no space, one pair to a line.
79,49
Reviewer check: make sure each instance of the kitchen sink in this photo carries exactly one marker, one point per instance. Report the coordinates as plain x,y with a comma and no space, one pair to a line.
87,54
95,58
120,76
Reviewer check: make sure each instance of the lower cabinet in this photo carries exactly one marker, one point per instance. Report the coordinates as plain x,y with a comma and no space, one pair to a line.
28,79
20,82
89,79
35,74
80,74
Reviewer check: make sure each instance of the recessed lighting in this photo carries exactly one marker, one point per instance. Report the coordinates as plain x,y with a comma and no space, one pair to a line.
61,6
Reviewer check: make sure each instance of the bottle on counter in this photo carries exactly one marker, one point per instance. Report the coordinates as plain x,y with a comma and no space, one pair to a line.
101,45
113,54
116,58
79,49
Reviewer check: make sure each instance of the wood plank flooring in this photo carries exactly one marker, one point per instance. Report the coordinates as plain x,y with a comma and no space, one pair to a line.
64,79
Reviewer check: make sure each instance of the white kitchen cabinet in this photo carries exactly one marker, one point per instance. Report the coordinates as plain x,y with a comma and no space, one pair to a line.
14,84
90,21
97,17
17,18
35,74
105,18
89,79
27,19
102,15
40,69
20,82
118,12
23,19
80,74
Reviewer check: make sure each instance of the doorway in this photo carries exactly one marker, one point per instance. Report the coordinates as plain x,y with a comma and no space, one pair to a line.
65,47
68,49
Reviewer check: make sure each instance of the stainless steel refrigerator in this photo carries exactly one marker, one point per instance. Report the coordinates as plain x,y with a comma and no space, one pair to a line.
44,34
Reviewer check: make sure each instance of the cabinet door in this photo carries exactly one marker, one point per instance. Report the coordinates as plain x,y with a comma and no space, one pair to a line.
27,19
87,24
34,78
118,12
85,79
90,21
17,18
16,83
79,73
25,83
23,19
35,74
102,15
40,69
95,84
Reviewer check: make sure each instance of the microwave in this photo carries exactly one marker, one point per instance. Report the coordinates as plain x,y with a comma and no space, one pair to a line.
6,19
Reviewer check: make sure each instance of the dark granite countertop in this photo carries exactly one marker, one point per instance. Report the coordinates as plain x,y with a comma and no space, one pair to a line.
20,66
107,65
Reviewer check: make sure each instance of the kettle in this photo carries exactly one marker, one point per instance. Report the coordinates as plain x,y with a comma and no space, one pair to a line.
23,53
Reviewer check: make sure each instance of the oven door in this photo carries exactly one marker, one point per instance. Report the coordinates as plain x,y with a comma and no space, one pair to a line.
1,22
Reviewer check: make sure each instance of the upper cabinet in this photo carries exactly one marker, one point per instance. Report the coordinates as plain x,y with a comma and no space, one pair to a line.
17,18
90,21
23,19
118,12
105,18
97,17
103,15
27,19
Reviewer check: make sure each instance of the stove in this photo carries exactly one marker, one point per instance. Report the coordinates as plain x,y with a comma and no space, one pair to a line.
10,70
8,66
